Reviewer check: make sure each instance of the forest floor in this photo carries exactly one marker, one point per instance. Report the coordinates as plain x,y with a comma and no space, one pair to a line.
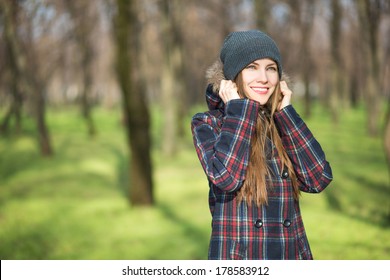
74,205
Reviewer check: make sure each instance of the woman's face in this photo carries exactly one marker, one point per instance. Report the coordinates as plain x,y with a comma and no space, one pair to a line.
260,79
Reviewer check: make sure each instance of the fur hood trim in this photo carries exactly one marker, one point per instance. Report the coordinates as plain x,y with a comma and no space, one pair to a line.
214,75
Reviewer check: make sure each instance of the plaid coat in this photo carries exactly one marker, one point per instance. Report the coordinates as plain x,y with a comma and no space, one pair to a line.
222,140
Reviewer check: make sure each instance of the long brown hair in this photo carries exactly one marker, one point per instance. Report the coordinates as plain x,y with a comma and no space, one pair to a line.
255,188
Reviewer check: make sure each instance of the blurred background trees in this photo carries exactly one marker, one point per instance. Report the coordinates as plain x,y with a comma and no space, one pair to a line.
152,55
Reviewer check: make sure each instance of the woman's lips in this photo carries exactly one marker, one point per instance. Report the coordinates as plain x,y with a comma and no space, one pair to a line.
260,90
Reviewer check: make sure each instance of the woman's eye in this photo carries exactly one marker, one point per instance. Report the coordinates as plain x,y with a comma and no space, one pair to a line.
272,68
251,67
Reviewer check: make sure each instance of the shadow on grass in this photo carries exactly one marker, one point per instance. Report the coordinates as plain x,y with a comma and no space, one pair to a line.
33,243
371,206
333,199
189,231
380,189
11,162
379,194
122,169
193,233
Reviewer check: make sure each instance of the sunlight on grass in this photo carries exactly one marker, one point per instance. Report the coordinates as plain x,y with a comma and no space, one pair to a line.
75,206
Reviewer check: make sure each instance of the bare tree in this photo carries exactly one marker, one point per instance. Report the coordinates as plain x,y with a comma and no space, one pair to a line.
12,89
262,14
303,14
84,17
172,81
26,66
135,109
335,64
369,16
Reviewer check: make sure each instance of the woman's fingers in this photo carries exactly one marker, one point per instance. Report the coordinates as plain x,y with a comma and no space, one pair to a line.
286,95
228,91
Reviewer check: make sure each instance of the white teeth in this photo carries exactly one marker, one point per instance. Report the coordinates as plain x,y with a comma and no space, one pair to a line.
260,89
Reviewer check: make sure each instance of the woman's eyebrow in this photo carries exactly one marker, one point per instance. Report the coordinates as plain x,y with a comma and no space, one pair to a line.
271,64
268,64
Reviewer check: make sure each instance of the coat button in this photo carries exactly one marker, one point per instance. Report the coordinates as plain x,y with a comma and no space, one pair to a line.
285,173
259,223
287,223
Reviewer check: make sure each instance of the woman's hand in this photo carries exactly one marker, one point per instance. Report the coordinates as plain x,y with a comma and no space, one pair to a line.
228,91
286,95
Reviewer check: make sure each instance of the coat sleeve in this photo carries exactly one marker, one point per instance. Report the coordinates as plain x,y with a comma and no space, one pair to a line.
223,150
306,154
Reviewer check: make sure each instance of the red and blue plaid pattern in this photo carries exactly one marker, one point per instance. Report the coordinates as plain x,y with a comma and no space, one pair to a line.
222,141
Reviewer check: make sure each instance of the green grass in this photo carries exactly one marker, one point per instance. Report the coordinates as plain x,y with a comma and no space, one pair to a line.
74,205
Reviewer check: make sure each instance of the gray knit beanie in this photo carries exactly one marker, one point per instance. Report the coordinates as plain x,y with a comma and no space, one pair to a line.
241,48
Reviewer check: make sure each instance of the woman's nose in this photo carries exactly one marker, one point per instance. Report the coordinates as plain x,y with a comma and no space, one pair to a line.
261,76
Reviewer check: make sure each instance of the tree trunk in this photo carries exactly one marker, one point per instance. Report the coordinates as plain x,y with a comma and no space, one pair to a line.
369,17
83,28
262,14
304,12
335,64
386,139
134,105
353,90
28,79
172,80
15,110
43,133
86,106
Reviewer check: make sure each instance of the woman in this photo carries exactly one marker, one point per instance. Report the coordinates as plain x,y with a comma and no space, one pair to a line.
257,154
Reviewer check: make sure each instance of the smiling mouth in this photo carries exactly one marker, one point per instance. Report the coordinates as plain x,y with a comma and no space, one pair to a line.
260,90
